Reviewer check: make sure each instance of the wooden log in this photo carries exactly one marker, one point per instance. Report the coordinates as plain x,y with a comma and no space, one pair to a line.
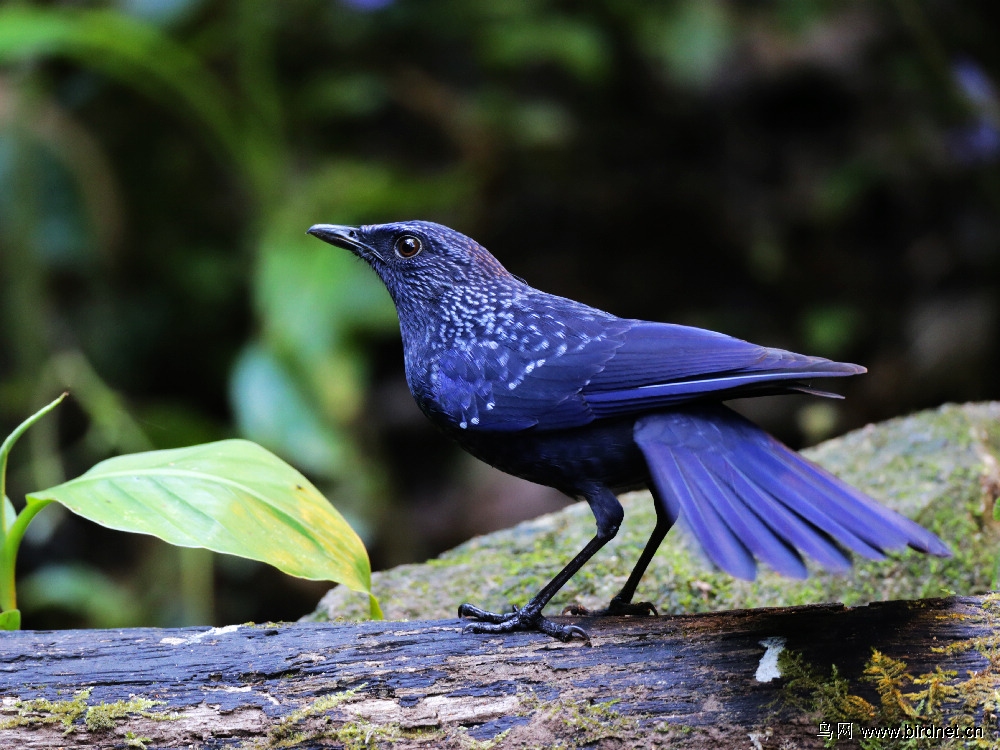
707,680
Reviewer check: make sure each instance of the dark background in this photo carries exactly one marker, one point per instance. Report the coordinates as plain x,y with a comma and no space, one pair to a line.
819,176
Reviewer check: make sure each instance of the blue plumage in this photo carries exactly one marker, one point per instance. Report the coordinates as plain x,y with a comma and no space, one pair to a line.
569,396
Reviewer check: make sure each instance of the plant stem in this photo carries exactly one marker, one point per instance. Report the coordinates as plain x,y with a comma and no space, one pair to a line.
8,556
10,537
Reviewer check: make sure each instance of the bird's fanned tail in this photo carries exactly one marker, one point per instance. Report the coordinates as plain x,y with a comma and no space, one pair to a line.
746,496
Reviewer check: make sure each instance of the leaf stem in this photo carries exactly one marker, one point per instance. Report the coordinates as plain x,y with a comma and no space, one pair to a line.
12,438
12,534
8,556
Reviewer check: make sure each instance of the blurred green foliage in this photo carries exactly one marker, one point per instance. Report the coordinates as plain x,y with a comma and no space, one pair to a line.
812,174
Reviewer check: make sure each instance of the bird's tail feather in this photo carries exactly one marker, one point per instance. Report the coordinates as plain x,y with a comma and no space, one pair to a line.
747,496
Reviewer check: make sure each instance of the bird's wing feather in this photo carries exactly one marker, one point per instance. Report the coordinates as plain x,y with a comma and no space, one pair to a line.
570,367
746,495
659,364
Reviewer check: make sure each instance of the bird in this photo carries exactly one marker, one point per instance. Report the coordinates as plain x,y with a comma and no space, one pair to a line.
569,396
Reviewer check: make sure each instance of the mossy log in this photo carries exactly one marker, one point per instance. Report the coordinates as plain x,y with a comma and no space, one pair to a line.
688,680
699,680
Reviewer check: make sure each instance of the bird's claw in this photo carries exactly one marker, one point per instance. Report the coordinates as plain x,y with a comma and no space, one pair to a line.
616,608
519,619
470,610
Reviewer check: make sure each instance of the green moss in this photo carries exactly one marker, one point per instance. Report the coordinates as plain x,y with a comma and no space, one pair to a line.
323,705
301,727
43,711
807,691
96,718
588,723
593,722
938,698
102,716
361,734
139,743
288,732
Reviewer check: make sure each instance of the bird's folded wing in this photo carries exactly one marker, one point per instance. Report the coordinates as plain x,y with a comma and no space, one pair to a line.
560,376
659,364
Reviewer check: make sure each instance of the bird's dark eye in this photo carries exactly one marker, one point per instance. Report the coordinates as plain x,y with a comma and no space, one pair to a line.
407,246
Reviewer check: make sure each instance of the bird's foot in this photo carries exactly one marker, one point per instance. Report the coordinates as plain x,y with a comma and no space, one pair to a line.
520,619
616,608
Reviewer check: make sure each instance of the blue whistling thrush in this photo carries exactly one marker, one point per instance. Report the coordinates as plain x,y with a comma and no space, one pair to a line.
568,396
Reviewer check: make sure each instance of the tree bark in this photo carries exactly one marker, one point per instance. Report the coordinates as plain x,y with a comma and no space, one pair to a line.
687,680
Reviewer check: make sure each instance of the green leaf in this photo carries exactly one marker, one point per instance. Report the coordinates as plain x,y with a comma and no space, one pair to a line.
10,620
9,514
231,496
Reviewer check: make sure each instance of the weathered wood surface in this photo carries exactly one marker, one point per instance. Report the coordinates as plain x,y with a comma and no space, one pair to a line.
427,684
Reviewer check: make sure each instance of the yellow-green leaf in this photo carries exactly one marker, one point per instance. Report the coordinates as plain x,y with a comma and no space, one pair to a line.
231,496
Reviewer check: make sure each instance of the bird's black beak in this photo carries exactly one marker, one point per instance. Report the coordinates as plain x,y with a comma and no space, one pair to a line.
343,236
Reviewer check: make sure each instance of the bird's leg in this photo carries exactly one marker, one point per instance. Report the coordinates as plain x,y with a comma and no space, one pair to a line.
609,514
530,617
621,603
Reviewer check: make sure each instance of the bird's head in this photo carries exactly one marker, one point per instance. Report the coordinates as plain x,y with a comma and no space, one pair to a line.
418,261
